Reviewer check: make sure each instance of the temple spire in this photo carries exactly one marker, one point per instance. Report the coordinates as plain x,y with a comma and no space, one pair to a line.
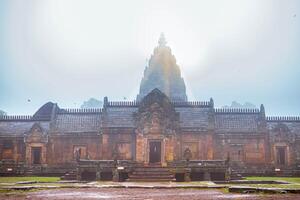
163,73
162,40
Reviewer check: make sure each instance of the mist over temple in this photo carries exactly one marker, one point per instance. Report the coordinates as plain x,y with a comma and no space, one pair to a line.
159,137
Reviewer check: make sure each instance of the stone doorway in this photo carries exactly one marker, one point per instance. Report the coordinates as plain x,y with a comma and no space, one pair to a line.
154,152
36,155
281,158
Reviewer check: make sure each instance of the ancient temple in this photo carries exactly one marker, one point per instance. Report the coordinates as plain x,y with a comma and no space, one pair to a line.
161,136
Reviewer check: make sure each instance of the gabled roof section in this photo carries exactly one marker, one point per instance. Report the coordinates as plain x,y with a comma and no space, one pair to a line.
194,117
18,128
119,116
156,96
77,120
291,122
46,111
237,120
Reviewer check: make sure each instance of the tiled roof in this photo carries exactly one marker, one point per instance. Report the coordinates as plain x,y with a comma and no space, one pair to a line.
293,126
193,117
119,116
19,127
236,122
77,122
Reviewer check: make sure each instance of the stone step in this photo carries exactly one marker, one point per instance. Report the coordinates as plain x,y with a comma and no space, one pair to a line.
151,177
69,176
151,172
150,180
158,169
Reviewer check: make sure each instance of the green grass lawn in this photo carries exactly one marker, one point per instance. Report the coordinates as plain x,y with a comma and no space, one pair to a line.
287,179
28,178
283,186
294,182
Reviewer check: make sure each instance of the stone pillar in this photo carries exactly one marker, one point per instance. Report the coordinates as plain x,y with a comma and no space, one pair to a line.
116,176
187,176
98,173
140,148
207,176
78,173
228,174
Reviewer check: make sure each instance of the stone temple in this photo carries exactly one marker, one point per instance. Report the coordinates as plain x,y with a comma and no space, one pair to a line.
159,137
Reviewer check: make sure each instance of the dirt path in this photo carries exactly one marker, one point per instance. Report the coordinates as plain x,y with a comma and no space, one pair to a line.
139,194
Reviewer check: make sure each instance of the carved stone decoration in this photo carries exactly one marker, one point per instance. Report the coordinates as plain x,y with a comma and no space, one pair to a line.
36,140
36,135
187,154
156,114
281,133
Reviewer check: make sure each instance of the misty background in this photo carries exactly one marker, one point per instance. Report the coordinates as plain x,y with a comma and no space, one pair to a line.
67,51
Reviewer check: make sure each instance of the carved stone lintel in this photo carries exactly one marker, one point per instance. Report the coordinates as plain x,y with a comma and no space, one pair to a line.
281,133
36,135
156,114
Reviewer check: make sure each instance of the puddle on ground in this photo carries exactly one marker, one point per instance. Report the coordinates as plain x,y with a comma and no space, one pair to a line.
150,194
77,195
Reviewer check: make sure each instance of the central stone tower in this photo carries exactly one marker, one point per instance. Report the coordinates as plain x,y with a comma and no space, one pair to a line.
163,73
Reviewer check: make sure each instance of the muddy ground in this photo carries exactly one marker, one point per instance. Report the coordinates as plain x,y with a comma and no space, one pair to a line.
145,194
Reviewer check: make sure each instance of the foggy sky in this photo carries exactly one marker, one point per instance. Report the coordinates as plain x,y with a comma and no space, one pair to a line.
67,51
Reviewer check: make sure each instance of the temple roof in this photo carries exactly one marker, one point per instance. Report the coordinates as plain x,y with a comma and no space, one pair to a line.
198,115
77,120
119,116
18,128
236,122
193,117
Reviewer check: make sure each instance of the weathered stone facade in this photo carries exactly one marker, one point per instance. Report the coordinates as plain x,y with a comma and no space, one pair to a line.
158,129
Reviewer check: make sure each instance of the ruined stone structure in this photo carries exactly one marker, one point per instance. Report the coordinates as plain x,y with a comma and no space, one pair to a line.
161,136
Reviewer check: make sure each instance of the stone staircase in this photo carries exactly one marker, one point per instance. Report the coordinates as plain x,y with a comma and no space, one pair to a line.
33,170
69,176
151,174
235,175
286,172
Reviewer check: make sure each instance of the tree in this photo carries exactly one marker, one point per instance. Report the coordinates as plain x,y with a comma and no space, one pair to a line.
235,104
92,103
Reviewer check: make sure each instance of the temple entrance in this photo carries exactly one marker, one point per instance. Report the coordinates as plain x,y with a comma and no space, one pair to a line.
281,155
36,155
155,152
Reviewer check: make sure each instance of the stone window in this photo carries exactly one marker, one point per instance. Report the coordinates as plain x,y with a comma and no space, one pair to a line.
82,149
193,146
7,144
7,152
257,145
21,147
236,153
124,151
